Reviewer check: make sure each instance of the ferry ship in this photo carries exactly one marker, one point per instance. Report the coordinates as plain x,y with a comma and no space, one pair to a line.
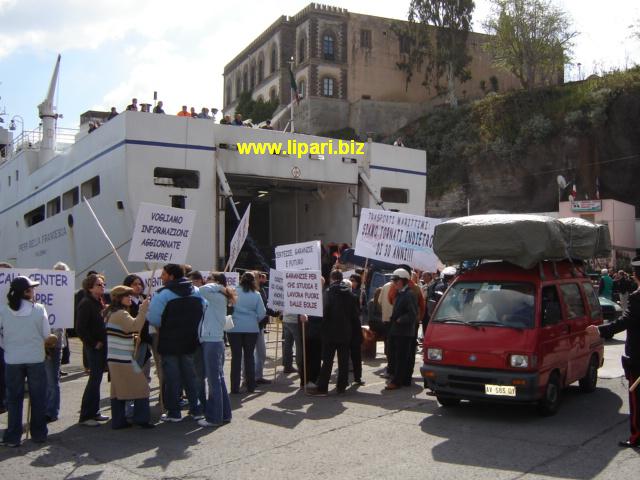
187,163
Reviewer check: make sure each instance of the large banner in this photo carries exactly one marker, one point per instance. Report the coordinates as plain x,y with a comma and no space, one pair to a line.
397,238
55,292
298,256
303,292
238,238
276,291
162,234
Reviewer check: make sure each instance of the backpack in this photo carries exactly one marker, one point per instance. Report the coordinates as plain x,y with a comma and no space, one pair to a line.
179,326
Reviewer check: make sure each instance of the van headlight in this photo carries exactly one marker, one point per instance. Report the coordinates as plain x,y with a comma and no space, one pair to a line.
434,354
519,361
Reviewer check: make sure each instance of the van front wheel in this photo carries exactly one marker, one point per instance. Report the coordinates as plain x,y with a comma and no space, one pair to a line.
590,380
550,402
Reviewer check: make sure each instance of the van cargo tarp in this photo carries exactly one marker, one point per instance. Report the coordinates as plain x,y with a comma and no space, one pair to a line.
523,240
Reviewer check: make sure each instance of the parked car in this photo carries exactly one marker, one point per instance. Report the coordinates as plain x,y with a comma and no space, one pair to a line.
611,311
503,333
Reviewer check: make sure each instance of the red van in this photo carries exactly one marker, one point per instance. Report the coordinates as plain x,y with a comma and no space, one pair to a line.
503,333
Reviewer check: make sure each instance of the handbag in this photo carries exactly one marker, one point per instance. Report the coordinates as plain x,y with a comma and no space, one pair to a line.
228,323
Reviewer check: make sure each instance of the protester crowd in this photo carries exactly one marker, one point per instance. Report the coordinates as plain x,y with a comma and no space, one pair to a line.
187,325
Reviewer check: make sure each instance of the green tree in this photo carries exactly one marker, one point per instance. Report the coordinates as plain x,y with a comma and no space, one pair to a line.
256,110
437,37
531,39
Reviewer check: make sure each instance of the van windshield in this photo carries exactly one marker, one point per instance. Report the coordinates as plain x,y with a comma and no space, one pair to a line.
500,304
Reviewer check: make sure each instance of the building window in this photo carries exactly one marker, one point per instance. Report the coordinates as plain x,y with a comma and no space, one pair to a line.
238,86
34,216
90,188
252,77
365,38
328,47
394,195
174,177
53,207
327,87
274,59
245,80
70,198
302,49
228,94
302,89
260,70
405,44
273,94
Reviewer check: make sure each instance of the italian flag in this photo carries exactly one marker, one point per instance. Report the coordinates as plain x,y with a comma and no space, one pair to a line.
294,87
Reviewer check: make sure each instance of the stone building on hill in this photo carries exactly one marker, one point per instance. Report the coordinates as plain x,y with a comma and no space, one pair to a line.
345,67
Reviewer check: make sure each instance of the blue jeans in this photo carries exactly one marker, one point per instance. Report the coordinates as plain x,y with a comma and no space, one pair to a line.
217,408
36,379
3,386
180,370
260,355
52,368
198,362
141,412
96,360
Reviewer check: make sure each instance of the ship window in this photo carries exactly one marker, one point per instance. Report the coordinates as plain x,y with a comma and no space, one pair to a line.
9,178
394,195
17,175
34,216
70,198
90,188
53,207
173,177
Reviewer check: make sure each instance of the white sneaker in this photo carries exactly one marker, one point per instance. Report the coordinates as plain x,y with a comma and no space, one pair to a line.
166,418
203,423
90,423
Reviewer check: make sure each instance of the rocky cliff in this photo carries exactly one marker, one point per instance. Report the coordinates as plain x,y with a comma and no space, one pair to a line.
506,151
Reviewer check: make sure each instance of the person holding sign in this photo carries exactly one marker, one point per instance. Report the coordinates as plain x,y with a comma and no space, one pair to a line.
340,312
247,313
24,327
128,381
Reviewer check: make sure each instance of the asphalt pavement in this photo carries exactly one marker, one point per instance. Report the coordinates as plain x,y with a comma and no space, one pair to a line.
279,432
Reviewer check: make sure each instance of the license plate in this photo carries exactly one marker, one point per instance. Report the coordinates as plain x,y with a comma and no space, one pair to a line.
503,390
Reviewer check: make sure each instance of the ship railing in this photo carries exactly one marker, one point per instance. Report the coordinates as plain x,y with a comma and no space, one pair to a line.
30,139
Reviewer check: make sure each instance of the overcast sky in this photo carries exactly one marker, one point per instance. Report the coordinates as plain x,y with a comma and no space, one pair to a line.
113,50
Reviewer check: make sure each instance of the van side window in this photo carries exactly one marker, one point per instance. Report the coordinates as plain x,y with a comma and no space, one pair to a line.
551,311
596,310
573,300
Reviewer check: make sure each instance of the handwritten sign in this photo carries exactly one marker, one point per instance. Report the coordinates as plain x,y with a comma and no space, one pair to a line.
276,291
303,292
162,234
55,292
238,238
298,256
397,238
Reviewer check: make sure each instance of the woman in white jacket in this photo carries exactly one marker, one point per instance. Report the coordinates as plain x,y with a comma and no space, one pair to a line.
24,326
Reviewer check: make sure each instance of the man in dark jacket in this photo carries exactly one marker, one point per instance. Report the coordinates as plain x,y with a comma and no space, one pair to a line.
340,312
91,330
630,321
176,310
402,331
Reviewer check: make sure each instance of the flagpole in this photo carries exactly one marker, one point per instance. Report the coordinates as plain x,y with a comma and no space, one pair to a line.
291,61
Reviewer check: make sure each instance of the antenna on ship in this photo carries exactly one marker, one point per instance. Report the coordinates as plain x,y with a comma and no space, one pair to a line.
47,114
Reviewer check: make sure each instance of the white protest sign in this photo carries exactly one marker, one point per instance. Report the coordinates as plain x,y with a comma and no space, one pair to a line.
303,292
238,238
233,279
162,234
56,292
276,291
155,282
397,238
298,256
